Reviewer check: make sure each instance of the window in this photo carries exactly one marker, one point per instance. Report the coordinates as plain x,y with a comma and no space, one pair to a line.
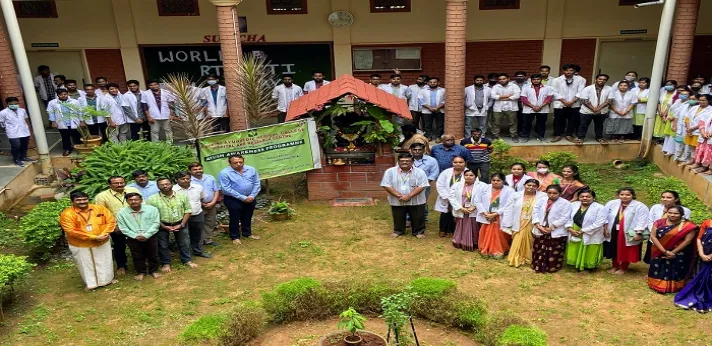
286,6
386,59
178,8
379,6
499,5
35,9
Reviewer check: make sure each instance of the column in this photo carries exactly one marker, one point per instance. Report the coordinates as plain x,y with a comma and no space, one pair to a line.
455,41
551,55
343,63
9,78
232,53
683,38
133,68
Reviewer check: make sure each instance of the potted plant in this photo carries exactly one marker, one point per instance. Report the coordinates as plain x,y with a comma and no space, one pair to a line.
83,114
280,211
352,322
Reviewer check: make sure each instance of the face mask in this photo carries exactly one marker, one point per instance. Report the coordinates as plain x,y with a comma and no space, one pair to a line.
212,82
669,87
13,107
692,102
629,78
542,170
684,97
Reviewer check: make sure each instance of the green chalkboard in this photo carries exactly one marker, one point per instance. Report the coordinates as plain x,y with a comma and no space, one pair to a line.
198,61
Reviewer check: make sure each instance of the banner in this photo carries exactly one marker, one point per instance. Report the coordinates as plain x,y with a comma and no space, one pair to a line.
274,150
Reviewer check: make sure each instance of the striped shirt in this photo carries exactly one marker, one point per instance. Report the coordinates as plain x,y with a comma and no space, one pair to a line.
480,150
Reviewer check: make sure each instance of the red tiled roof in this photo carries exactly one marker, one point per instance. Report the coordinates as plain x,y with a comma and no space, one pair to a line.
347,84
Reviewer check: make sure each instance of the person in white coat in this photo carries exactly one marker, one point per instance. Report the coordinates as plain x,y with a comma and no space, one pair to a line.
642,91
517,221
550,234
626,222
566,104
15,121
64,113
680,109
517,177
695,121
595,100
585,248
477,99
462,196
137,119
490,201
414,105
159,111
285,93
432,101
620,116
97,124
398,90
506,104
316,82
215,96
443,185
119,110
536,99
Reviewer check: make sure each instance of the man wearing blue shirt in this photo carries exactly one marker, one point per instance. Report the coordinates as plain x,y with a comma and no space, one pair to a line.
212,196
240,185
145,187
447,150
428,164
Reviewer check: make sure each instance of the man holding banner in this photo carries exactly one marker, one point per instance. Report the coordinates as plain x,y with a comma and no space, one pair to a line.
240,185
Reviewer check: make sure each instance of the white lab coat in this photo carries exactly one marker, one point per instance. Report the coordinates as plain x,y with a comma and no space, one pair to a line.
442,186
635,215
620,102
511,103
402,90
695,117
424,99
40,85
656,213
64,120
90,121
706,116
412,95
218,108
565,91
642,105
455,198
158,112
311,85
471,109
281,93
509,179
529,92
15,123
559,216
483,198
115,108
589,93
134,103
593,221
513,209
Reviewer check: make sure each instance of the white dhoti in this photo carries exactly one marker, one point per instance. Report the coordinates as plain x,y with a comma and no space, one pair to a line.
96,265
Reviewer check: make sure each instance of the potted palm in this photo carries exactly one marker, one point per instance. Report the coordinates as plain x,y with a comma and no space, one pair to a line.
280,211
352,322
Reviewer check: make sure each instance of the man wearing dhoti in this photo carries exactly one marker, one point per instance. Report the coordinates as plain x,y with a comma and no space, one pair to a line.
88,227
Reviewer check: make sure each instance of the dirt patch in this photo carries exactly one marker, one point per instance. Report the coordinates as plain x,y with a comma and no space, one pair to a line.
309,333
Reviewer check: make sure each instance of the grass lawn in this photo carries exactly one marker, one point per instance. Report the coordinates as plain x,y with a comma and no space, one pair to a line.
329,243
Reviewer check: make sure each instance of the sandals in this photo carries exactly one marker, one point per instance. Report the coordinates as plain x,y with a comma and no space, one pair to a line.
602,141
578,142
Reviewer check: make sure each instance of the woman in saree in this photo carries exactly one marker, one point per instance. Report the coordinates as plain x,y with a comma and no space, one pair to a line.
697,294
517,221
550,234
443,185
461,199
543,175
570,183
671,256
585,248
666,99
490,201
668,199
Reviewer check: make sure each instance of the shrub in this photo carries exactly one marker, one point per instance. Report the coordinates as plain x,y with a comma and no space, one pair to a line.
517,335
121,159
496,324
432,287
463,312
500,160
40,228
206,328
13,269
246,321
296,300
362,296
557,159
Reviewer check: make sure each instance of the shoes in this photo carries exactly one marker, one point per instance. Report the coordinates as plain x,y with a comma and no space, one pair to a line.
571,139
29,159
203,255
525,139
515,140
213,244
19,164
555,139
395,235
540,139
66,153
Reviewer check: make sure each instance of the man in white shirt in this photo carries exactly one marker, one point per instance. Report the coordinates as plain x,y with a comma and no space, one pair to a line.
406,186
285,93
195,195
215,96
544,71
705,88
433,103
477,98
157,105
566,104
413,104
14,120
398,90
64,114
44,85
137,121
535,99
97,125
71,85
102,86
120,113
506,104
316,82
520,79
375,80
595,100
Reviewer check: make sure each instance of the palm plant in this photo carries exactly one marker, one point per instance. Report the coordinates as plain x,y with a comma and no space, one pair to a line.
188,103
257,80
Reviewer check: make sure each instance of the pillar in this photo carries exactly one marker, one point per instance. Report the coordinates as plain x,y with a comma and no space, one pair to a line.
9,78
130,56
683,38
232,53
343,63
555,13
455,44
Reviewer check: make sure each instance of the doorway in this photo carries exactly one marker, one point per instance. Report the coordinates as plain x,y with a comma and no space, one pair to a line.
615,58
67,63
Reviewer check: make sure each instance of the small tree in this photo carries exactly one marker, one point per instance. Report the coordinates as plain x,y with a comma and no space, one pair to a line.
189,106
257,80
351,321
12,270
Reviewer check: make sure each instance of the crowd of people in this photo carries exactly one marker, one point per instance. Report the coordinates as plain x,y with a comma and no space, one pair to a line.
548,220
142,216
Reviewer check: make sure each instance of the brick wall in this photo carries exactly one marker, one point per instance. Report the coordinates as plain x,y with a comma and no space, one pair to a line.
701,57
578,51
107,63
683,36
350,181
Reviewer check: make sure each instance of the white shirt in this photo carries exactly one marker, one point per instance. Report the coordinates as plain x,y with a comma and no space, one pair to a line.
14,123
401,92
511,104
134,101
63,113
405,183
559,216
285,96
216,108
424,99
412,94
589,93
195,195
563,90
513,210
635,216
642,105
592,225
657,212
114,104
620,102
530,94
158,112
311,85
509,179
696,114
455,198
483,197
471,109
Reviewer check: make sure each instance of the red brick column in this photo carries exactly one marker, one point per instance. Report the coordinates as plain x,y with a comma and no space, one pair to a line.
683,38
455,46
9,78
232,53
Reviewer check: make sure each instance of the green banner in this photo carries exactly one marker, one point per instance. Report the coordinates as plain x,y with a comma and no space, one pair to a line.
273,150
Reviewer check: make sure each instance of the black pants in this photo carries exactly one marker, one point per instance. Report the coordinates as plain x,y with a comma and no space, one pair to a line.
281,117
99,130
416,119
566,121
540,128
520,122
637,133
427,120
195,229
481,169
136,128
119,240
69,137
586,119
143,252
447,222
240,215
417,218
18,148
439,118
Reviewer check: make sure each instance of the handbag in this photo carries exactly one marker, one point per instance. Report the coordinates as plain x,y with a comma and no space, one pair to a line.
630,234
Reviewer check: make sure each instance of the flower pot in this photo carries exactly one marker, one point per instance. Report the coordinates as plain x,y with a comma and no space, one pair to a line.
96,140
280,217
339,338
83,149
353,340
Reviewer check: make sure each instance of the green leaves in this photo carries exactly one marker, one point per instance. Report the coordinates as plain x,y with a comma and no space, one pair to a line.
352,321
280,207
13,269
40,228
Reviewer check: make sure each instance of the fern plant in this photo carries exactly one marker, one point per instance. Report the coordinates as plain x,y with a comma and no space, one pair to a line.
257,81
